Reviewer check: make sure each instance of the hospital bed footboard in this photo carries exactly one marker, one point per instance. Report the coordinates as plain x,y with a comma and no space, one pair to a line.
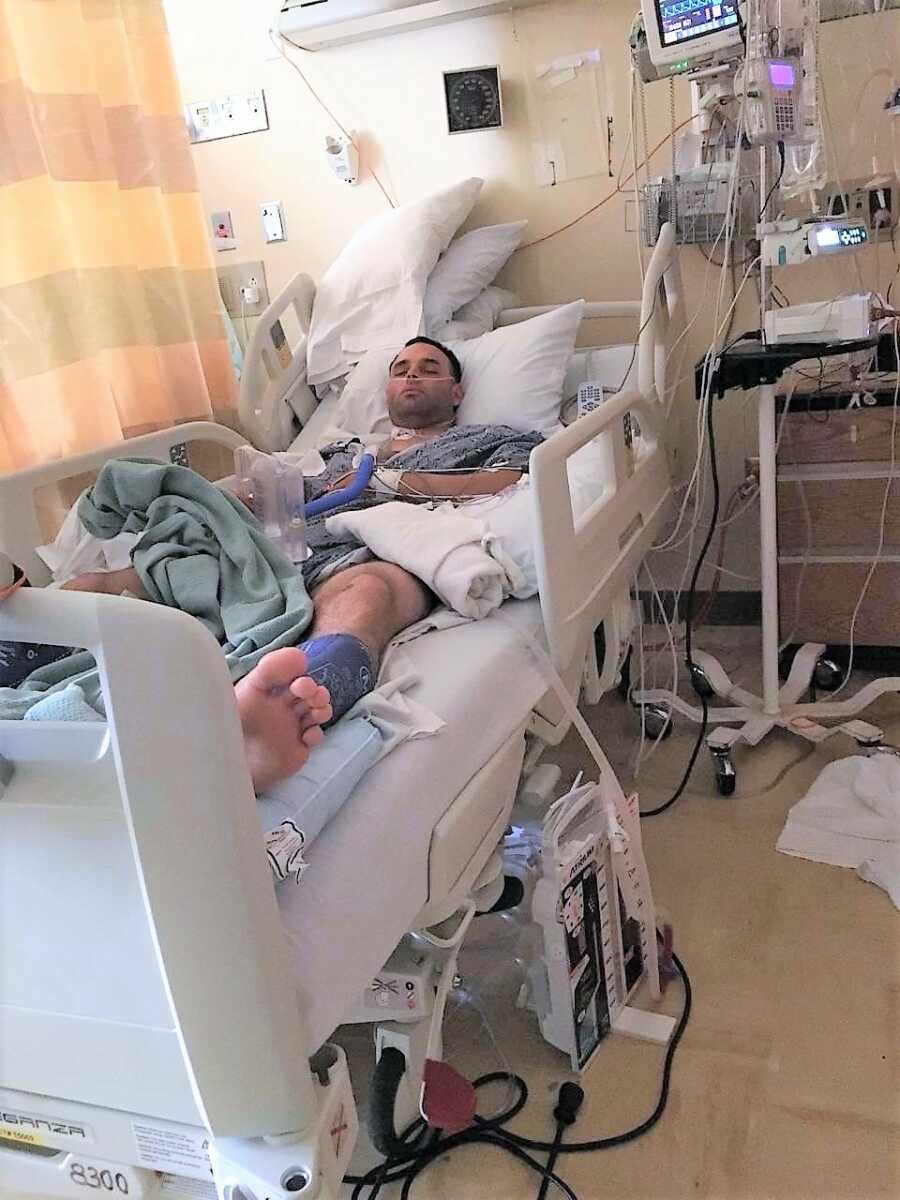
146,999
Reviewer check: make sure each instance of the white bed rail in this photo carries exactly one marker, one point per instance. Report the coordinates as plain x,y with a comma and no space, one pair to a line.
20,528
659,311
583,565
190,812
273,391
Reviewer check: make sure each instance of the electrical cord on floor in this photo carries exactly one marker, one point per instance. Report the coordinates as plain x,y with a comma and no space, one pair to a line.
571,1098
689,614
491,1132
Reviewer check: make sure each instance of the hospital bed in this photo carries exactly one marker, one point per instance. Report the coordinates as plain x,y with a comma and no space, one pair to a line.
164,1011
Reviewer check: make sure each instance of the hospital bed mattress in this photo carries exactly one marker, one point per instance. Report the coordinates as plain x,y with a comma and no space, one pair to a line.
371,868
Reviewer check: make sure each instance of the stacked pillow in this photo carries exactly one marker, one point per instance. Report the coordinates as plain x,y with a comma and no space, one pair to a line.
469,265
373,293
392,280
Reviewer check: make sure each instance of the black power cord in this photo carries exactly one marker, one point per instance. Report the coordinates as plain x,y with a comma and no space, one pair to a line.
407,1167
571,1098
773,188
689,614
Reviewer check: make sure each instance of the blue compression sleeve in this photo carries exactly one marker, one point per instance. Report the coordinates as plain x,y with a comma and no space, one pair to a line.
342,663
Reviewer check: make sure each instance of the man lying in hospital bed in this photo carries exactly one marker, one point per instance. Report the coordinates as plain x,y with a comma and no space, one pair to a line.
360,607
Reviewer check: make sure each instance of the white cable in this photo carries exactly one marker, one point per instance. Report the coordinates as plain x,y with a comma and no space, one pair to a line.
632,142
640,750
883,523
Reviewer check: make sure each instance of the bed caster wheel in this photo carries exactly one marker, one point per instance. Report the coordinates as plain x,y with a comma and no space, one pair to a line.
657,721
387,1080
828,675
726,776
700,682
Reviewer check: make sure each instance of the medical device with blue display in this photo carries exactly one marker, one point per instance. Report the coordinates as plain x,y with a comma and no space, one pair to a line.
686,34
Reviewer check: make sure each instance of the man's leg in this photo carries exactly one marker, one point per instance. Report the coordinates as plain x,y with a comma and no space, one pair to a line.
110,583
357,612
372,601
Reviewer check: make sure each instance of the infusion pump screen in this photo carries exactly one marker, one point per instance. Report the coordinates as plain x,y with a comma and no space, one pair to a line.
680,20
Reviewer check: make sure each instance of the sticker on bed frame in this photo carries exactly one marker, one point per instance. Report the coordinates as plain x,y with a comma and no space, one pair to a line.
173,1150
173,1187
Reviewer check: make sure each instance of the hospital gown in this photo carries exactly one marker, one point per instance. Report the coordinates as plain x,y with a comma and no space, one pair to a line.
461,448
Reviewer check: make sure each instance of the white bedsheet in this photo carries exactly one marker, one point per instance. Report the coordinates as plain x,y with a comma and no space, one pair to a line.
368,873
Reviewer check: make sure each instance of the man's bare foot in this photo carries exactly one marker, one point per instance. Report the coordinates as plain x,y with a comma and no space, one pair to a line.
282,712
111,583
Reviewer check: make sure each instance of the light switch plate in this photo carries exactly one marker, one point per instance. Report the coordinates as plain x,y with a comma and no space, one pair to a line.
273,222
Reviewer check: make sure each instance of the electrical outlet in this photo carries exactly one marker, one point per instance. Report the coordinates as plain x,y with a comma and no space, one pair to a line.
234,278
874,207
881,207
229,116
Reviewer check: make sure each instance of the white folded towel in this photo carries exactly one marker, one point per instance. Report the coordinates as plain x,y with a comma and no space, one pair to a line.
448,551
850,817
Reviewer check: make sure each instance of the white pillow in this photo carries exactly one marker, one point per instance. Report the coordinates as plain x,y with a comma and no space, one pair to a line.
486,308
372,293
511,376
514,375
478,316
466,268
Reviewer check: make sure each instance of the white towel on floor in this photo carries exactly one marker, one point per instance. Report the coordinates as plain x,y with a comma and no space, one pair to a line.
448,551
850,817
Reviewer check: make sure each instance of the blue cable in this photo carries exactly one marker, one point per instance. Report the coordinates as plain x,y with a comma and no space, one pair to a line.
344,495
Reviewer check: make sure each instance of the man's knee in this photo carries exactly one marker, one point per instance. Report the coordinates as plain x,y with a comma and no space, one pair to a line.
378,590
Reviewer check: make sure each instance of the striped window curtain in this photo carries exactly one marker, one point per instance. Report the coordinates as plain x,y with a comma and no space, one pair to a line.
110,316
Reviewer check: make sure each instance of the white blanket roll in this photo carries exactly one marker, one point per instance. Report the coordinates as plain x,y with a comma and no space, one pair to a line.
447,550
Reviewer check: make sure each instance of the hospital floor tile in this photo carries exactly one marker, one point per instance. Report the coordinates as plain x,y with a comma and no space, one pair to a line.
786,1083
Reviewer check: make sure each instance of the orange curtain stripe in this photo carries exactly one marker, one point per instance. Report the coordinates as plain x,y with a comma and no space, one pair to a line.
110,317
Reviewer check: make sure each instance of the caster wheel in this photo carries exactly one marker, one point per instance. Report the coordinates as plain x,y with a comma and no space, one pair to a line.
657,721
387,1079
700,683
828,675
726,776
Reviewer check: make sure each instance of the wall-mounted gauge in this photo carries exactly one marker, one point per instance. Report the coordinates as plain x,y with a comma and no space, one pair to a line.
473,99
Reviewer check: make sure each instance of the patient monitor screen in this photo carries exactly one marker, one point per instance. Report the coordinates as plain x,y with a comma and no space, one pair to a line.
682,20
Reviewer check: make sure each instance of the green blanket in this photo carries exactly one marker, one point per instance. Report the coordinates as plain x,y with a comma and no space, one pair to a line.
201,551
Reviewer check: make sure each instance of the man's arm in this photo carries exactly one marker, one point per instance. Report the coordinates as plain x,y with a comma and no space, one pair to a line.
458,485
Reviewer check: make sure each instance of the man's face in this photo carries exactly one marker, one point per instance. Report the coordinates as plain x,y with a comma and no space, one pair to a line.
421,390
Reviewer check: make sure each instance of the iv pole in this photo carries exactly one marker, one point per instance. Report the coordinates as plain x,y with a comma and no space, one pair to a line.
779,706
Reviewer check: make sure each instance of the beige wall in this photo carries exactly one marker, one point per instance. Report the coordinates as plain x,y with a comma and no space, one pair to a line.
389,92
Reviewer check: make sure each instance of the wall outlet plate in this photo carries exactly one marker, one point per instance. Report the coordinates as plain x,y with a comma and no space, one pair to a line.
228,116
237,275
861,202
